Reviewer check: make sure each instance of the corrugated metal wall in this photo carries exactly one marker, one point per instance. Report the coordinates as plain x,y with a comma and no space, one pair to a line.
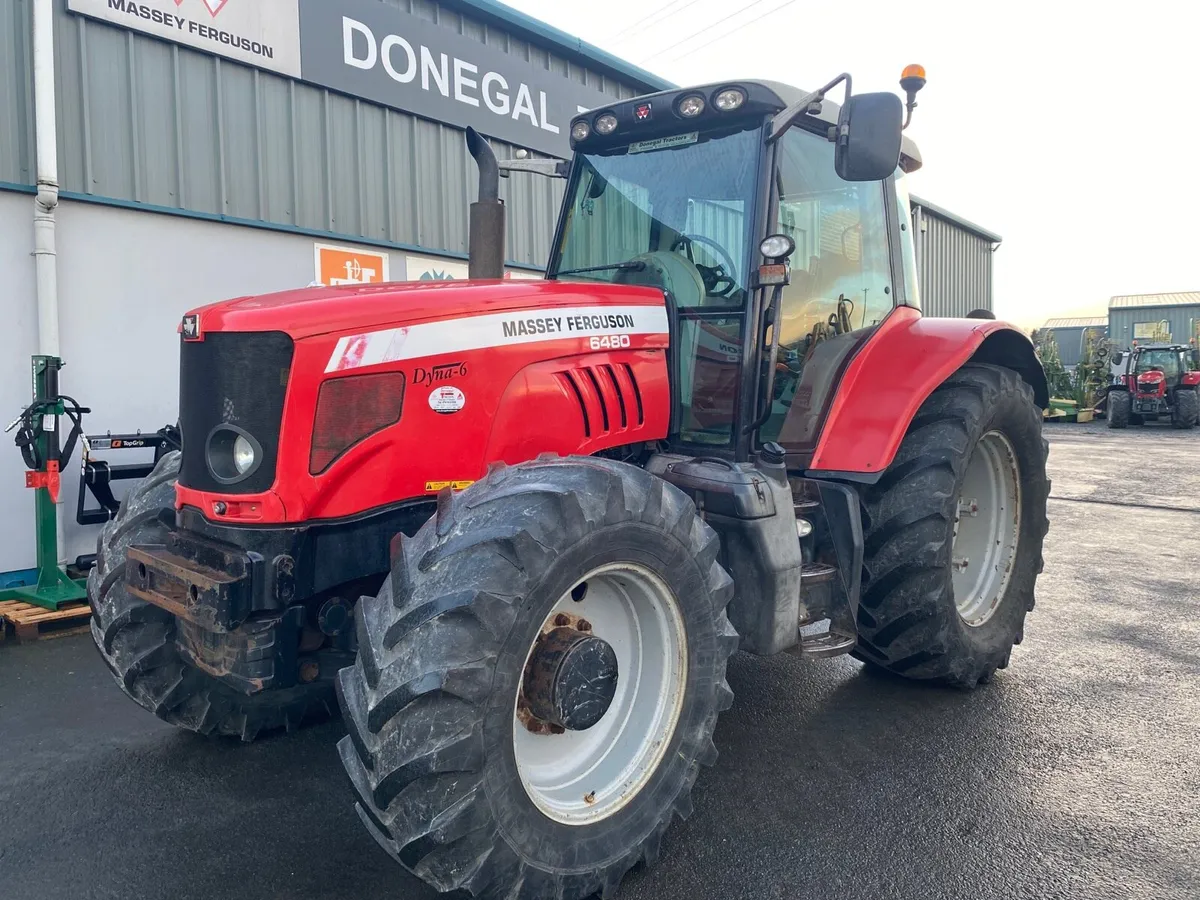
1070,343
16,92
146,121
954,265
1183,321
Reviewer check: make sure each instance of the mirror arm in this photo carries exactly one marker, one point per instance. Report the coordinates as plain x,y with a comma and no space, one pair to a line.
550,168
806,104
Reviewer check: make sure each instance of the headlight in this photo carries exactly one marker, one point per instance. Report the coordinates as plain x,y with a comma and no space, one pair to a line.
777,246
243,455
581,131
729,99
606,124
691,106
232,454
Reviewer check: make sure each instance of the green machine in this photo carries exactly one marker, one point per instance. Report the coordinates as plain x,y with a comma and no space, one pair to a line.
38,437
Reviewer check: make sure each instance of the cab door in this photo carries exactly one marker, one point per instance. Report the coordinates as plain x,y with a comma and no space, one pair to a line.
848,273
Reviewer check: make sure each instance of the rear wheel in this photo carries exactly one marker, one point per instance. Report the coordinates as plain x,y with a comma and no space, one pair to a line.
538,681
954,531
1120,405
1186,409
137,639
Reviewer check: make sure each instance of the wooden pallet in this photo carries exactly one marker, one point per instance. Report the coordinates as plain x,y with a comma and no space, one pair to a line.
26,622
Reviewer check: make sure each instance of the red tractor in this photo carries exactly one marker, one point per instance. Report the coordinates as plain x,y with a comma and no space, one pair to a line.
518,528
1155,380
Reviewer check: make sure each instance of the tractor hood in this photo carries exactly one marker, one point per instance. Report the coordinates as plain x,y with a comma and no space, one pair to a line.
322,310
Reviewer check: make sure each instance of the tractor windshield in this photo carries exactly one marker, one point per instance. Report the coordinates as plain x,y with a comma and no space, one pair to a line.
1165,361
674,213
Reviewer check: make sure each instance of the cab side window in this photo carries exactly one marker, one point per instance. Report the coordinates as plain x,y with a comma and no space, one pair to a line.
840,280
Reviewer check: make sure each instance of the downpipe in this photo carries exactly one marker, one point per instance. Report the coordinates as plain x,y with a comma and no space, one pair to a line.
45,204
486,229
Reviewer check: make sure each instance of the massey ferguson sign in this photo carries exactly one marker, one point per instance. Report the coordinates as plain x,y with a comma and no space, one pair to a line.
373,50
263,33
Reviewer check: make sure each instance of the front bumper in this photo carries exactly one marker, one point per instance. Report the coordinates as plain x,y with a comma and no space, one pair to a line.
211,584
213,589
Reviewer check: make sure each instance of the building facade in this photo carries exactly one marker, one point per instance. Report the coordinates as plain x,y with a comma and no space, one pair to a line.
1070,334
1154,318
208,149
954,261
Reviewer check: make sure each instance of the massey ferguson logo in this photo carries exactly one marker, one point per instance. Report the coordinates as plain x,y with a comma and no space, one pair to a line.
214,6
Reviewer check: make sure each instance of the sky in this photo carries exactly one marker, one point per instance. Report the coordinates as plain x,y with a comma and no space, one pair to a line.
1070,129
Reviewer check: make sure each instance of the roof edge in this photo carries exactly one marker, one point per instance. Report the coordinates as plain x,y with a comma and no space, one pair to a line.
944,213
561,41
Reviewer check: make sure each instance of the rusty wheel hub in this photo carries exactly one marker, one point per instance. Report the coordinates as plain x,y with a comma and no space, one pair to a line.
570,679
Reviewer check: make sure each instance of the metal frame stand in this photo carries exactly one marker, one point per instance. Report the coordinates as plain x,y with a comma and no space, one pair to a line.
54,586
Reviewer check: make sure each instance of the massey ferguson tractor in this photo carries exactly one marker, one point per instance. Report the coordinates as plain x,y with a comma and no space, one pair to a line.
518,528
1155,380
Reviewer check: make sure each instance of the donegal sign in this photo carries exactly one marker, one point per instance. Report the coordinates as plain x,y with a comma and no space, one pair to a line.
262,33
375,51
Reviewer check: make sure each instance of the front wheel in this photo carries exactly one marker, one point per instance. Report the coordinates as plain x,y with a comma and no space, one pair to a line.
138,640
538,681
1186,409
954,531
1120,408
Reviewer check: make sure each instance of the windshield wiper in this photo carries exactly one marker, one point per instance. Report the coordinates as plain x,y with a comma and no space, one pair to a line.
633,265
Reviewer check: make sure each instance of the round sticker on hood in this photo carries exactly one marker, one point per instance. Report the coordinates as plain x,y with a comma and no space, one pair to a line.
446,400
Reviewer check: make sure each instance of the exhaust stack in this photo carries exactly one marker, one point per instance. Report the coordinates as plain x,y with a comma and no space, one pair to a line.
486,229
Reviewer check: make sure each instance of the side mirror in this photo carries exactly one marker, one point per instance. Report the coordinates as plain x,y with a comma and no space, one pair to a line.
868,137
1118,358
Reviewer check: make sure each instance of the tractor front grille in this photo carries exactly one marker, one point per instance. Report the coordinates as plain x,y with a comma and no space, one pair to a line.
237,378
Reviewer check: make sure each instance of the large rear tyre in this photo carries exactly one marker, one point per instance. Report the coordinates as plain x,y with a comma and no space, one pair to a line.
954,531
461,774
1120,406
137,639
1186,409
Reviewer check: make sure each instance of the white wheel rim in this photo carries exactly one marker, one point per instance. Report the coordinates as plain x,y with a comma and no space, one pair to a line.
987,525
581,777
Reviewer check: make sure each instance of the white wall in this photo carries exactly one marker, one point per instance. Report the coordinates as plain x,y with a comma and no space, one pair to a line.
125,279
18,341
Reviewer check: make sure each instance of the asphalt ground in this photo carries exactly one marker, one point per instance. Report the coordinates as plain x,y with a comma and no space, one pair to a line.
1075,774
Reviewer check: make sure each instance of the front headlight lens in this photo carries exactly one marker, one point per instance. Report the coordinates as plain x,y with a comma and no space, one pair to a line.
729,99
580,131
691,106
243,455
606,124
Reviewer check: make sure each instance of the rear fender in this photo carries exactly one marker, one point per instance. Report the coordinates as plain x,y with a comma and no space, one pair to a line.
1190,379
885,384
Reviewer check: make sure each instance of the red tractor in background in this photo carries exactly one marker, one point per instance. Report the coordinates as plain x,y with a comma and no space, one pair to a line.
520,527
1156,380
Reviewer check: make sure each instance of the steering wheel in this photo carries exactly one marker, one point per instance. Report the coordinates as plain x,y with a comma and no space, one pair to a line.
721,274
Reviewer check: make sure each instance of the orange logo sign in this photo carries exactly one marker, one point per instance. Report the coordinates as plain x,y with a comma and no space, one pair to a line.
349,265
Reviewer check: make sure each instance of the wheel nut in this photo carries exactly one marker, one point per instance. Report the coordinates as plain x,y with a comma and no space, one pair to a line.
562,619
557,729
585,625
309,672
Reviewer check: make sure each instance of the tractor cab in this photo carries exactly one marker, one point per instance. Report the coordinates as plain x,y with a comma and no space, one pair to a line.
776,223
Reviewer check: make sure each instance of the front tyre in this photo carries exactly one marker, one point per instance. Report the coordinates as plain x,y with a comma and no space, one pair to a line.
137,639
538,681
1120,408
954,532
1186,409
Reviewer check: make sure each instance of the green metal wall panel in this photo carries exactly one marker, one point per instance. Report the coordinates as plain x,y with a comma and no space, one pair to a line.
16,92
144,121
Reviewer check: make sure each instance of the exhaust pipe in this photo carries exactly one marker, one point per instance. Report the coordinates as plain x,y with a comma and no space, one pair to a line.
485,251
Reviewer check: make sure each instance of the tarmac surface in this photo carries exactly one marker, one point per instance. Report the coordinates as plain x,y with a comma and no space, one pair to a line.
1076,774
